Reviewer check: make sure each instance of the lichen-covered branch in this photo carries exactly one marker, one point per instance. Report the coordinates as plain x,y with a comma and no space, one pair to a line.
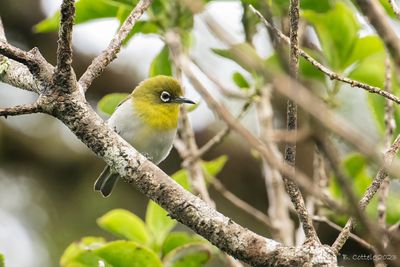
100,63
20,110
64,73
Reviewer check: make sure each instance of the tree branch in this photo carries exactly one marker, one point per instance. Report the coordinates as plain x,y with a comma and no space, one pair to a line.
331,74
395,8
20,110
290,149
63,72
100,63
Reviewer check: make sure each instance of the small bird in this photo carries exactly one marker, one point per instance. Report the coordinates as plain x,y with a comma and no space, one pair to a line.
148,120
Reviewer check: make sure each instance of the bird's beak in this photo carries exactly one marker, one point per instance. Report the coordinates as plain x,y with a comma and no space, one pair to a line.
182,100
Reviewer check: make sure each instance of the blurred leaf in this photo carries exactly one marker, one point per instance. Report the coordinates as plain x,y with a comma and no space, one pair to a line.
125,224
2,264
142,26
86,10
307,70
127,254
109,103
174,240
158,223
365,47
182,178
388,8
91,251
273,64
161,64
190,255
239,80
192,107
215,166
355,166
317,6
337,30
244,55
78,254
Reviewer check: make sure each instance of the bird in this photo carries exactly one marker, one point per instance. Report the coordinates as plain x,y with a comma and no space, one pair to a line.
148,120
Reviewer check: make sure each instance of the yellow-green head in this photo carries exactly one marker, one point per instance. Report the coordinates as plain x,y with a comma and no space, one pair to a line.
156,101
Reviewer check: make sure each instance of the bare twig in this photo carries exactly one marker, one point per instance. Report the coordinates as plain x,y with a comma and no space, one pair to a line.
356,238
63,73
290,149
100,63
395,8
331,74
20,110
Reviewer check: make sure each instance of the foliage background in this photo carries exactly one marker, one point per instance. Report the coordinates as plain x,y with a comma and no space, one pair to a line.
46,175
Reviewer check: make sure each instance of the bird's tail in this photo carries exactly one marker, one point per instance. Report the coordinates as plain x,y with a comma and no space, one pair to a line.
106,182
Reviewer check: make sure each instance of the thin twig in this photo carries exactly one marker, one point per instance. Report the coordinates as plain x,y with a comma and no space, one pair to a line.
100,63
369,194
64,73
20,56
395,8
20,110
290,149
331,74
356,238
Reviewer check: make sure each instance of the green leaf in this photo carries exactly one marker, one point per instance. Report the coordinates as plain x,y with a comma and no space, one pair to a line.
240,80
244,55
388,8
2,264
89,252
182,178
109,102
144,27
215,166
193,107
127,254
174,240
317,6
78,254
159,223
125,224
190,255
337,30
365,47
86,10
178,239
161,64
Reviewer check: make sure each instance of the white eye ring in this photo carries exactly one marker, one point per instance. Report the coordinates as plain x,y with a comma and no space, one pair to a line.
165,96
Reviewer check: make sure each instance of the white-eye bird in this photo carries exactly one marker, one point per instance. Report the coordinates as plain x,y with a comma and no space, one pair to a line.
148,120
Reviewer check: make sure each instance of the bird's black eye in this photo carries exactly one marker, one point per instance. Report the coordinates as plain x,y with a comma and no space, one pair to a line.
165,97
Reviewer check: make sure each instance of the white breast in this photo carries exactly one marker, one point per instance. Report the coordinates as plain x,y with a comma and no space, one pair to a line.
154,144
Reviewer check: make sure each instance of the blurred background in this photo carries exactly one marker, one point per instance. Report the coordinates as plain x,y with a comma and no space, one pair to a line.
46,175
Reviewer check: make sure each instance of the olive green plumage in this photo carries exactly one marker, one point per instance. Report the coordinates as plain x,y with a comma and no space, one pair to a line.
148,120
